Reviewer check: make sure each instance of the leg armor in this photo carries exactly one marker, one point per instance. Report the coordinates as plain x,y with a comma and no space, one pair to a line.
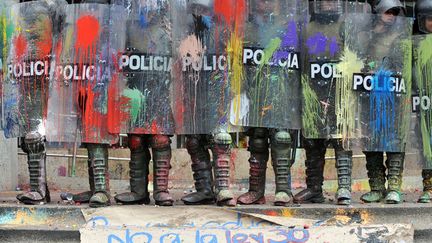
221,150
259,155
282,160
344,171
34,146
98,157
138,172
376,173
395,165
427,186
315,161
161,151
202,171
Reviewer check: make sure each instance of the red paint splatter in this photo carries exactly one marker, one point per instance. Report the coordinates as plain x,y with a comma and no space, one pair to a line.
154,128
118,107
232,11
44,44
94,120
271,213
87,32
20,44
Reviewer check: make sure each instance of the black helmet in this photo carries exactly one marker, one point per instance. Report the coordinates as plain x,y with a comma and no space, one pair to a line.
327,11
423,10
334,7
382,6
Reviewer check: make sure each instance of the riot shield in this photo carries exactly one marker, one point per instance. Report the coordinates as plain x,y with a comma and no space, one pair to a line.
78,98
269,92
325,105
207,53
5,34
139,101
421,98
380,79
29,65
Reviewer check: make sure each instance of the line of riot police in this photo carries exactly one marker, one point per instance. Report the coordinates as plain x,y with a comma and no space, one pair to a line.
310,73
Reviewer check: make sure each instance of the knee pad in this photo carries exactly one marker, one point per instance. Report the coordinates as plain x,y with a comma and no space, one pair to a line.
193,143
258,132
281,137
222,138
160,141
314,144
136,142
259,145
33,142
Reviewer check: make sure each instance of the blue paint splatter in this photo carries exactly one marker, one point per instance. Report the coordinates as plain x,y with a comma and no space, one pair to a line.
7,218
382,112
143,20
207,20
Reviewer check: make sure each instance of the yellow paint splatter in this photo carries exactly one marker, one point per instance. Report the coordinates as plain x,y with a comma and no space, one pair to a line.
287,213
346,100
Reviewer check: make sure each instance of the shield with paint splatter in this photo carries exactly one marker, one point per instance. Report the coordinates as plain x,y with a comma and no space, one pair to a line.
6,29
421,99
377,67
139,101
267,79
207,46
325,103
29,66
86,64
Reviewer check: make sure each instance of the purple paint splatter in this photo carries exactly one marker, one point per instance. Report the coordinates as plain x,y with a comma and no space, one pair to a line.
334,46
290,37
290,41
317,44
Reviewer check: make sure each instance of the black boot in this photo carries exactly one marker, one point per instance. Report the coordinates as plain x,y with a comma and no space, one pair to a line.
281,151
395,165
259,155
98,156
138,173
161,150
222,158
315,161
34,146
376,173
202,170
344,169
83,197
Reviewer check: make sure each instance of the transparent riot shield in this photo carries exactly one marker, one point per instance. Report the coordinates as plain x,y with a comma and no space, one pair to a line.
325,105
380,53
140,100
6,28
207,53
29,66
86,59
421,98
269,92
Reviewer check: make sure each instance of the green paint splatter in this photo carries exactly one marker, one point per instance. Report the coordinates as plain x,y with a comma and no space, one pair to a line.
406,46
262,79
311,109
423,68
137,103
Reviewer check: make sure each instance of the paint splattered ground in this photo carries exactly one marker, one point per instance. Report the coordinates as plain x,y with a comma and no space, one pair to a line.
61,216
410,200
